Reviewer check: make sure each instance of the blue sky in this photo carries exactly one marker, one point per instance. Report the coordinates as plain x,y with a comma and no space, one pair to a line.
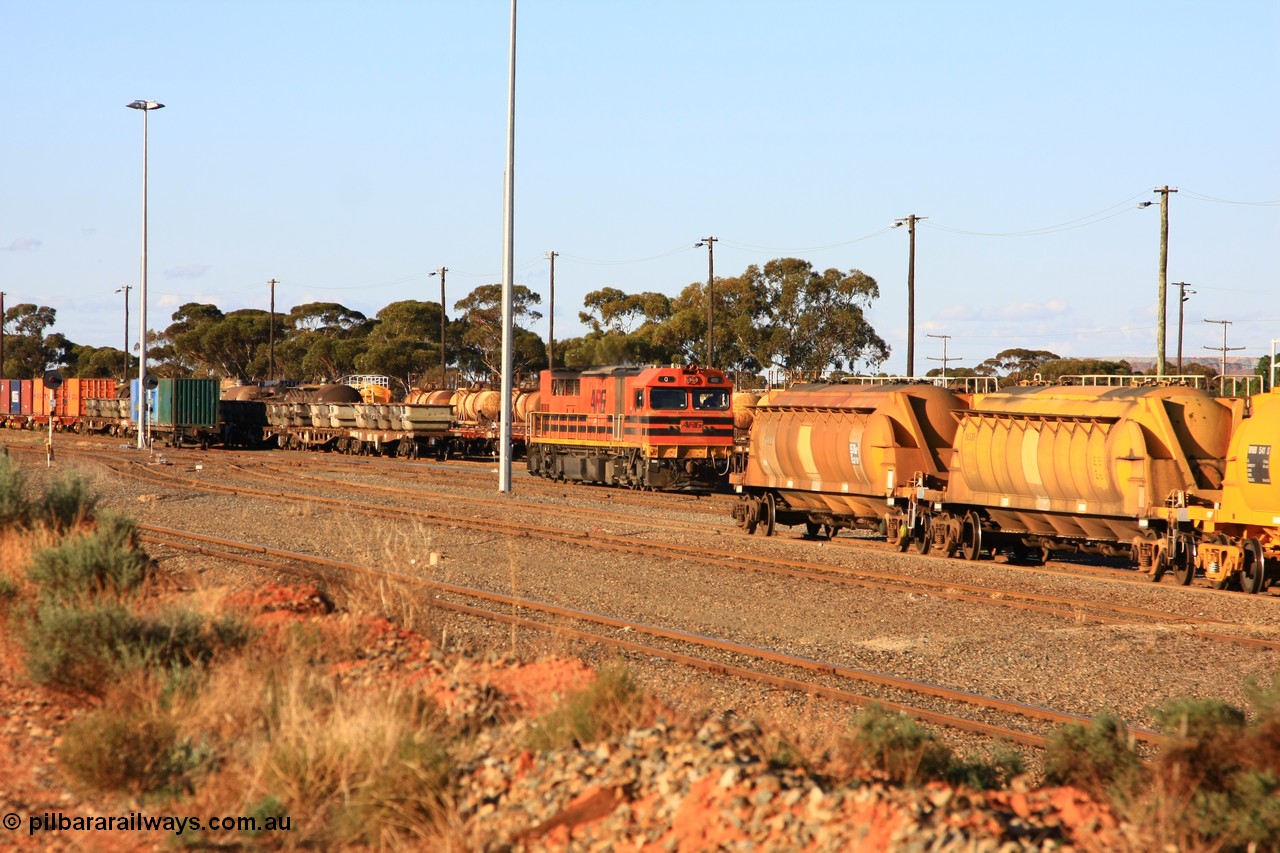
348,149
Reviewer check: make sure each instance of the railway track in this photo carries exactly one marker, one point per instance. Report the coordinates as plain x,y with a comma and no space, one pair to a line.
556,540
1075,610
663,643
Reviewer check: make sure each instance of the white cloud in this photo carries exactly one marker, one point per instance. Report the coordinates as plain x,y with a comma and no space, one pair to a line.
24,244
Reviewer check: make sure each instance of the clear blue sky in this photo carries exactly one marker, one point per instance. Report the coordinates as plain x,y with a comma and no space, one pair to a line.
347,149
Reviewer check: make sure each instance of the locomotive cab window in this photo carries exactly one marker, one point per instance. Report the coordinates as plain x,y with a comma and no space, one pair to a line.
639,398
717,400
566,387
669,398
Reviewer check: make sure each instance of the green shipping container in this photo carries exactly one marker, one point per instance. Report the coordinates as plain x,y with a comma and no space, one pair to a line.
182,403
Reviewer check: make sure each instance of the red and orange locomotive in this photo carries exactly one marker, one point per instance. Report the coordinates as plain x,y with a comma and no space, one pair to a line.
667,428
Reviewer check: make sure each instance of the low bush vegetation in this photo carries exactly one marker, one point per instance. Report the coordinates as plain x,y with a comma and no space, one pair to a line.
1214,784
65,504
892,746
105,560
610,705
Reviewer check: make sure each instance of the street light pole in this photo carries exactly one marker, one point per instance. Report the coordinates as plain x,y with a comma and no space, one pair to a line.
508,272
125,290
146,107
1182,302
440,272
911,290
271,350
2,337
710,243
551,314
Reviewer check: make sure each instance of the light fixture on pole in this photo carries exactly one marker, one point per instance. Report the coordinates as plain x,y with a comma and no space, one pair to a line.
443,361
146,107
125,290
508,272
710,243
1164,269
1183,295
910,222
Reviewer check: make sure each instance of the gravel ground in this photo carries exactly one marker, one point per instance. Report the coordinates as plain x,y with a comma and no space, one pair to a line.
914,633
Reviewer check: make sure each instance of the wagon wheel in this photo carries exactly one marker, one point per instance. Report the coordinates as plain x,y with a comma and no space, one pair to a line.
770,518
751,518
923,535
1254,570
1184,563
812,530
971,536
1160,563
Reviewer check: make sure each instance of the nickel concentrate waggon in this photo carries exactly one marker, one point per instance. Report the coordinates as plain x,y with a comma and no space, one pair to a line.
1169,476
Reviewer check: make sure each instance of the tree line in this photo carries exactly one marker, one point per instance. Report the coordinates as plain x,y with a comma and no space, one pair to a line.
784,318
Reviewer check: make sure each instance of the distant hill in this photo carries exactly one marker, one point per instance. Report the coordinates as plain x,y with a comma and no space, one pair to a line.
1236,364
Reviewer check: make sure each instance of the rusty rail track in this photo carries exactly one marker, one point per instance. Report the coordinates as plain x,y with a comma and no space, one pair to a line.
1058,606
198,543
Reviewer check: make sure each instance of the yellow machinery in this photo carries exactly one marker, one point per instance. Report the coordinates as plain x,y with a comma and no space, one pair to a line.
1235,534
830,454
1076,467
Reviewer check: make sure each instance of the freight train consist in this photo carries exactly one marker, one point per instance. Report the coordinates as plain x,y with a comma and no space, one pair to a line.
1167,475
665,428
351,417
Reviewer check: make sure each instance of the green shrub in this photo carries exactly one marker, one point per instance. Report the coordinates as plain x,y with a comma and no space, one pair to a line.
894,746
1203,749
67,502
82,648
14,507
77,649
611,704
107,559
1224,768
403,794
115,749
1099,758
8,588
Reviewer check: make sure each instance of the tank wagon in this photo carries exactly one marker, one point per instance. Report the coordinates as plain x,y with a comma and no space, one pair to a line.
662,428
828,455
1167,476
1072,468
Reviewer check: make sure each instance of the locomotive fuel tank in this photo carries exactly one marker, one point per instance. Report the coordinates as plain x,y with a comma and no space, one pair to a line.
1085,462
831,453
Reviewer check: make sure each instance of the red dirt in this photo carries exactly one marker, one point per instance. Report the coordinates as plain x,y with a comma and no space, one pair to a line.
33,719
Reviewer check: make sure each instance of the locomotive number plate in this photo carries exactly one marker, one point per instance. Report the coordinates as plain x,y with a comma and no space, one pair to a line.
1259,464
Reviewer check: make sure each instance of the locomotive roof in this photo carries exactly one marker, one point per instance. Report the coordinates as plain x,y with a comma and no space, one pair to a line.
628,370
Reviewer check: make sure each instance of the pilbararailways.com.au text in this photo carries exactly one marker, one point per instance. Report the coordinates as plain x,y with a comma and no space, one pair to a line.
140,822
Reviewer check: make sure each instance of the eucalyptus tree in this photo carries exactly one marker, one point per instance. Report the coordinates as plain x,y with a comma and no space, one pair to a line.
481,320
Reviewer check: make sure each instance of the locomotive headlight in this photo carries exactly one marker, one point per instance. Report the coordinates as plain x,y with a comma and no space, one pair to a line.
1142,522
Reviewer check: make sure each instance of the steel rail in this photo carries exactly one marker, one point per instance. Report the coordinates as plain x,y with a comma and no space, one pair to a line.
1051,605
166,536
